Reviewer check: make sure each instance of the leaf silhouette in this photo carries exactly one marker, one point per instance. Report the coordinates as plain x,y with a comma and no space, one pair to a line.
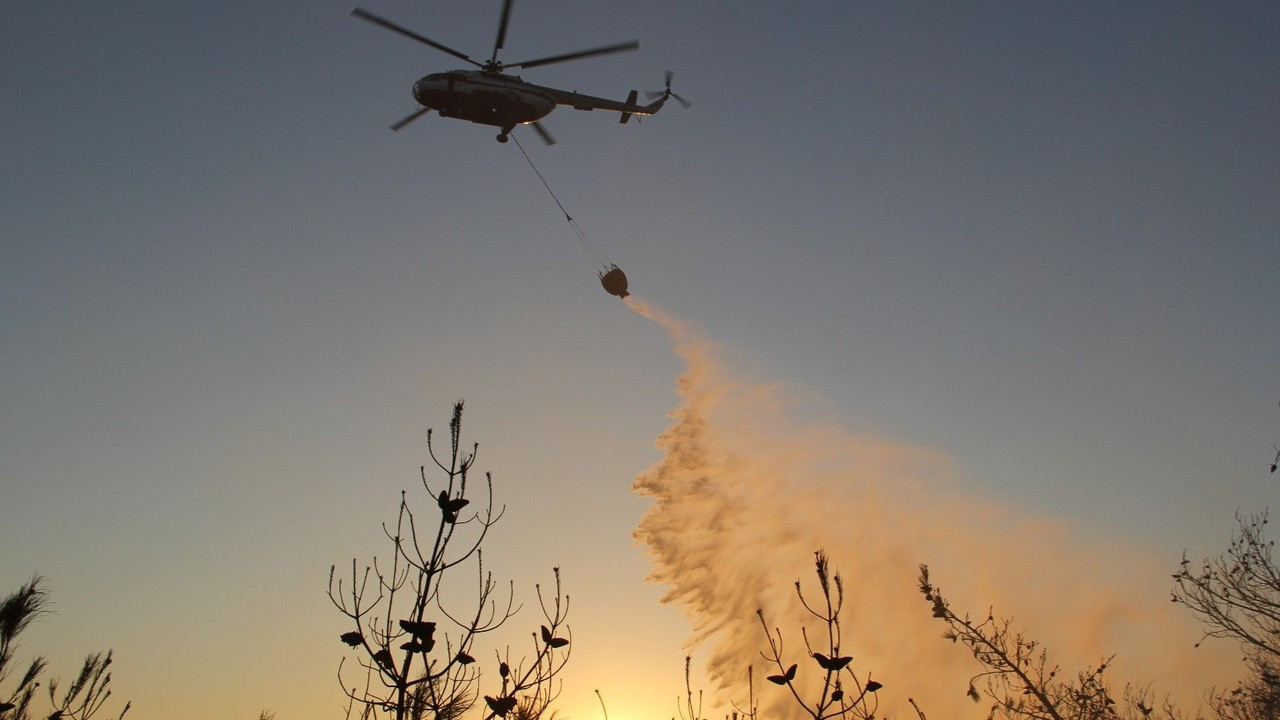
418,646
784,678
420,630
352,638
449,507
555,642
383,657
939,610
500,706
838,695
504,669
464,658
873,686
834,664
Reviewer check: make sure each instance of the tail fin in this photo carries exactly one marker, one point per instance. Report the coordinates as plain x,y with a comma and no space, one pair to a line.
631,100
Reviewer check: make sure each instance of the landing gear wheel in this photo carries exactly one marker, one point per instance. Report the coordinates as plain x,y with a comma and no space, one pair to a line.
502,138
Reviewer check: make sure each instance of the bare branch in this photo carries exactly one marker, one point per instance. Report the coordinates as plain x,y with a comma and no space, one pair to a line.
424,670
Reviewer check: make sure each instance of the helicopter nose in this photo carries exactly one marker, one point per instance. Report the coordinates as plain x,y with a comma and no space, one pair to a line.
421,91
425,88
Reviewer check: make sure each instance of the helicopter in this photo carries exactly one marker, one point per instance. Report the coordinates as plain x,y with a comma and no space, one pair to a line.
490,96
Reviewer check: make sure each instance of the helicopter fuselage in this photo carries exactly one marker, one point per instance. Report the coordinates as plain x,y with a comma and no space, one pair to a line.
486,98
505,101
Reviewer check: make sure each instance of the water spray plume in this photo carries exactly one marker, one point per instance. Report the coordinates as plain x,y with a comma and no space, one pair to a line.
747,490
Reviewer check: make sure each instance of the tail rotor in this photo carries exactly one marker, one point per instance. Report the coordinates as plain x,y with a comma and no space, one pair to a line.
667,93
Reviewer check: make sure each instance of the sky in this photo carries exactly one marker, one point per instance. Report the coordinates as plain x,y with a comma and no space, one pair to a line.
995,280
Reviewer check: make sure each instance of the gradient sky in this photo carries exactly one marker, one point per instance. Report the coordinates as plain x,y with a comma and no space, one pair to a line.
1038,239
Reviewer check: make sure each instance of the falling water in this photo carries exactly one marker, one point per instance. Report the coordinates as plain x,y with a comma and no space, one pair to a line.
748,488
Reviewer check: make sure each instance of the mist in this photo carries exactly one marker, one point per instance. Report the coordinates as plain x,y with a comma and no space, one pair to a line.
752,481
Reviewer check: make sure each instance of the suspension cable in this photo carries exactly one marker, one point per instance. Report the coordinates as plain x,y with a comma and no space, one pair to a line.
587,243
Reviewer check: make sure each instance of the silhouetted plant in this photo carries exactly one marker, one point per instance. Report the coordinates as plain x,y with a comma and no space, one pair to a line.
1275,462
1018,676
1236,596
687,709
1257,697
81,699
530,708
841,693
752,709
419,657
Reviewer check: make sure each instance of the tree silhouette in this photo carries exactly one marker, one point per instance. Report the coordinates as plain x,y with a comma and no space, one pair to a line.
419,657
81,699
1023,684
841,692
1236,596
1275,463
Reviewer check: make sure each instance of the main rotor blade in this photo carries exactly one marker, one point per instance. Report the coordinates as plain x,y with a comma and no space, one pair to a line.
607,49
542,133
366,15
410,118
502,29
